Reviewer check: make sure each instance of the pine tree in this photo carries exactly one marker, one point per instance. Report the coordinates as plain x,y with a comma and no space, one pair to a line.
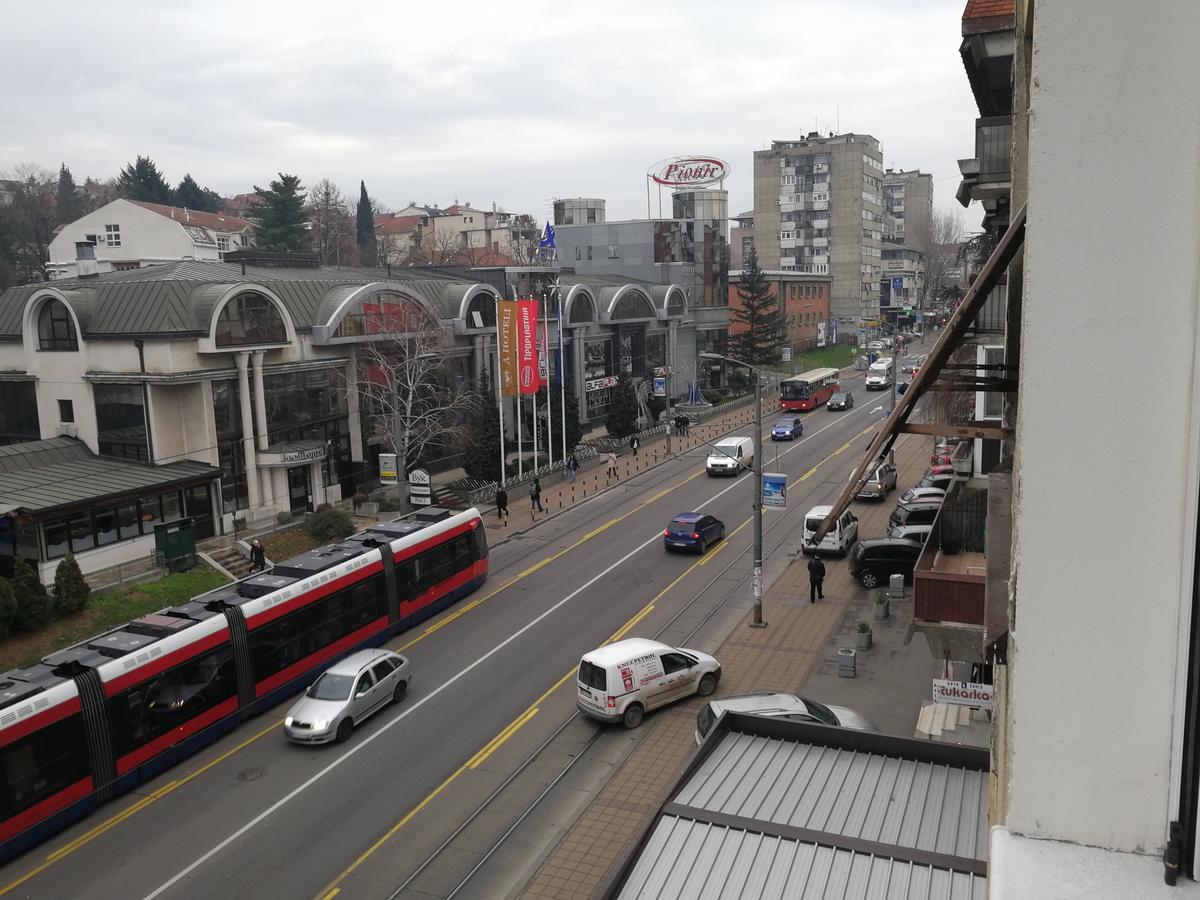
758,311
67,207
33,603
281,214
189,195
623,409
141,180
8,608
70,590
482,457
574,429
368,250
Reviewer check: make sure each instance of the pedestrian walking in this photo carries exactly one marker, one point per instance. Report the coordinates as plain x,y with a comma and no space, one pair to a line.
258,557
501,503
634,443
611,459
816,579
687,426
572,467
535,495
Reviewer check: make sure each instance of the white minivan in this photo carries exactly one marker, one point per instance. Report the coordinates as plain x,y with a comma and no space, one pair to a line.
879,375
731,456
620,682
839,539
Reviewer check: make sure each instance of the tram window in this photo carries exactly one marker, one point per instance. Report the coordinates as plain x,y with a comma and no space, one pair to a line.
41,764
461,549
481,548
151,709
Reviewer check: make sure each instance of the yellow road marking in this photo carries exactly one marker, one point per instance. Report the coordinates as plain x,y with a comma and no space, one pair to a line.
704,562
496,741
332,894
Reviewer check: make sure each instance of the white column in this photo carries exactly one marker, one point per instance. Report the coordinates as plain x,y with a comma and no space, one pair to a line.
242,360
353,415
266,475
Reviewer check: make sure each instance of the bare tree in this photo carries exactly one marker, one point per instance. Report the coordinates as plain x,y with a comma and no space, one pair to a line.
27,224
522,241
946,233
332,228
448,247
415,403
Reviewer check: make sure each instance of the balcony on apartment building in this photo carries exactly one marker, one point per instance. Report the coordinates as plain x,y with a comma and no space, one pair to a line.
988,176
950,578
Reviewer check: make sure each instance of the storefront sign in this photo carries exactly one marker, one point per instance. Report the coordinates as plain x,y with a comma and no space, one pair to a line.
527,355
599,384
820,335
689,171
507,333
774,490
294,457
963,693
387,468
662,371
420,491
787,354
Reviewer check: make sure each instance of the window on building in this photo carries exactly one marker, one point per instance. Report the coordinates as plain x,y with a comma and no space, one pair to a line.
121,421
579,253
589,251
112,235
56,331
18,412
223,243
250,318
591,215
66,411
612,251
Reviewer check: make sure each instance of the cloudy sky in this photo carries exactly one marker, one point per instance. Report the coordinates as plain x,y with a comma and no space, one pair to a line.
515,103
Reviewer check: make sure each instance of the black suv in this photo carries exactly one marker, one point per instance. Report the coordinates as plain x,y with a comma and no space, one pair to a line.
873,562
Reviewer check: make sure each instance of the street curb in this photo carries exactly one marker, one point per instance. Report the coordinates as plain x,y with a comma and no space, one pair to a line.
520,531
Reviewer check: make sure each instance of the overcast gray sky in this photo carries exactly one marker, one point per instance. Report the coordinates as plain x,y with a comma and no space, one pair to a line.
515,103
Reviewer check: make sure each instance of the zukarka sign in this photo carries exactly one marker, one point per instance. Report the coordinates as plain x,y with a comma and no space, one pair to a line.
689,171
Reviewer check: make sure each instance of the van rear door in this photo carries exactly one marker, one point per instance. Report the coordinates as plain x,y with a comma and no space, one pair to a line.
593,686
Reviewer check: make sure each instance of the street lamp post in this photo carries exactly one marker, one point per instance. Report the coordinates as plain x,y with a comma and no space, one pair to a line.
757,621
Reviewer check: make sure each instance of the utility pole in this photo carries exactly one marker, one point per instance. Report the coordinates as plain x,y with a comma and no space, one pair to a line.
758,522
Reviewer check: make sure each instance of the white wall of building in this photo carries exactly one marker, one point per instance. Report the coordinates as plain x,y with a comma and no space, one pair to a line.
1106,471
144,235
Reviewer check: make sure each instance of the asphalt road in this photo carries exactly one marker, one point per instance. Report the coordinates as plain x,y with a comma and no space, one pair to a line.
254,816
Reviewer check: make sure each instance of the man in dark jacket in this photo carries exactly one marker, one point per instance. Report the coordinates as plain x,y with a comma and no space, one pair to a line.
816,577
501,503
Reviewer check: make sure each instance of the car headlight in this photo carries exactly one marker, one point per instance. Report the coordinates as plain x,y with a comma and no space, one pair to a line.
288,721
320,725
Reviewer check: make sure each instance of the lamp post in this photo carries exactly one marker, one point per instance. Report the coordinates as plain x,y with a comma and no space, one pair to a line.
757,621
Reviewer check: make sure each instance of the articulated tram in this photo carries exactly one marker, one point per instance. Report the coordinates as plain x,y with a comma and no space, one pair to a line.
96,719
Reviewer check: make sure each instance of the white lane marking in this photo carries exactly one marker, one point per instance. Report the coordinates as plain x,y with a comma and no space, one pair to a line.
295,792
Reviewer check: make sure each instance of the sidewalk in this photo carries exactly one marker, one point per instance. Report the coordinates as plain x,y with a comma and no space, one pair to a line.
781,657
560,494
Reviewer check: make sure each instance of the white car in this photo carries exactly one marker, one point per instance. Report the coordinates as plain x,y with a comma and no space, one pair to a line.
349,692
917,494
780,706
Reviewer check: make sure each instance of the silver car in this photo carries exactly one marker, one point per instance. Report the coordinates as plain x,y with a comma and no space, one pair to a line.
346,695
781,706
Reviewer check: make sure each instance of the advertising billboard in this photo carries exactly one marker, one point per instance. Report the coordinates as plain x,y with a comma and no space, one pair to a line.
528,377
507,331
689,171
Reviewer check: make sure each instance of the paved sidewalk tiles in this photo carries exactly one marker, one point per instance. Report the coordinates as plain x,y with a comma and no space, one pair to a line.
780,657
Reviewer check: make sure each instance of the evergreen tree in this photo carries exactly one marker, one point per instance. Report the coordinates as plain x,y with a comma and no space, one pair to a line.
70,590
141,180
67,205
368,250
281,214
574,429
623,409
482,457
190,195
33,603
758,311
8,608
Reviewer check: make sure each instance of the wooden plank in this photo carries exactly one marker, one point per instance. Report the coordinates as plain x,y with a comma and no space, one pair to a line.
940,429
949,340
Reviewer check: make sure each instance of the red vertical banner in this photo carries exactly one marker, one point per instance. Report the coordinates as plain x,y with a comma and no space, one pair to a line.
527,353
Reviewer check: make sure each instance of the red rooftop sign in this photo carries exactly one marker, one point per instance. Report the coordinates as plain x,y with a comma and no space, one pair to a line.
689,171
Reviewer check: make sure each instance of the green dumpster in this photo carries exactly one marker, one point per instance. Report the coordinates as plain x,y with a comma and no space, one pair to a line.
175,544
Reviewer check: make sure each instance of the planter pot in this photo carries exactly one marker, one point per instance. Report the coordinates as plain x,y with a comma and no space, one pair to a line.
881,611
367,509
846,662
864,640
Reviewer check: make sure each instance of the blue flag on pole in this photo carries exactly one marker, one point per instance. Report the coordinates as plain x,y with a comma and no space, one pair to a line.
547,240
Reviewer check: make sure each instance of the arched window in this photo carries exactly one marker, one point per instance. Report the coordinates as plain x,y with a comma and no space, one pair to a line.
632,305
250,318
56,331
386,313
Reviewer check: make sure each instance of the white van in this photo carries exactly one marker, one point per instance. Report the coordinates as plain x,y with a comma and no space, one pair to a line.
731,456
620,682
879,375
840,537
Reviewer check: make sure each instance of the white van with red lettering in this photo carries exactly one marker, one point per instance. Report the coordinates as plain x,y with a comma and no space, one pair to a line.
621,682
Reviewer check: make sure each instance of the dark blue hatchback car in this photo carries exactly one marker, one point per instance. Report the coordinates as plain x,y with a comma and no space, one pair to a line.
787,429
693,531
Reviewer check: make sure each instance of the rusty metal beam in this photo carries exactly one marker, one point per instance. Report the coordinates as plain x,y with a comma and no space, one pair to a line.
949,340
967,430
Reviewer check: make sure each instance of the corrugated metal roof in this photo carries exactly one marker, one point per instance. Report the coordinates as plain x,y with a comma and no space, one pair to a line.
40,476
685,858
888,799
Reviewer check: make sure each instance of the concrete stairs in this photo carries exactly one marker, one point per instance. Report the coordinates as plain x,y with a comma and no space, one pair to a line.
229,559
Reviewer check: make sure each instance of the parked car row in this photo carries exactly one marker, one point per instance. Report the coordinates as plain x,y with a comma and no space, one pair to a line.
874,561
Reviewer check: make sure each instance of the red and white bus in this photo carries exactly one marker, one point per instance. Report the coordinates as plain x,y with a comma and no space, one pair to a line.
95,720
808,390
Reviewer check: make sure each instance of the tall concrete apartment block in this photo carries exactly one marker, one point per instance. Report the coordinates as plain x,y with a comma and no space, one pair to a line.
818,209
908,199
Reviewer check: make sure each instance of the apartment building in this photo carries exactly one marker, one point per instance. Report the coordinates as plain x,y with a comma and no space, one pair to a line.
908,209
741,238
818,209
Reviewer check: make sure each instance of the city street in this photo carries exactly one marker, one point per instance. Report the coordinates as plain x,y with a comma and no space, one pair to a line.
492,682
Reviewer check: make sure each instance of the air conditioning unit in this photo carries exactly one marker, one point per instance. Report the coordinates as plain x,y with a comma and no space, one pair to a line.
68,429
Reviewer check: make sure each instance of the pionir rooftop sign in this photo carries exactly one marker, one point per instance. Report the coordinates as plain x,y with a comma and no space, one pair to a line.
689,171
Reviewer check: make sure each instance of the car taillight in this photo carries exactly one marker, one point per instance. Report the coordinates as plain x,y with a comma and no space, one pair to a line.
612,702
666,532
695,536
